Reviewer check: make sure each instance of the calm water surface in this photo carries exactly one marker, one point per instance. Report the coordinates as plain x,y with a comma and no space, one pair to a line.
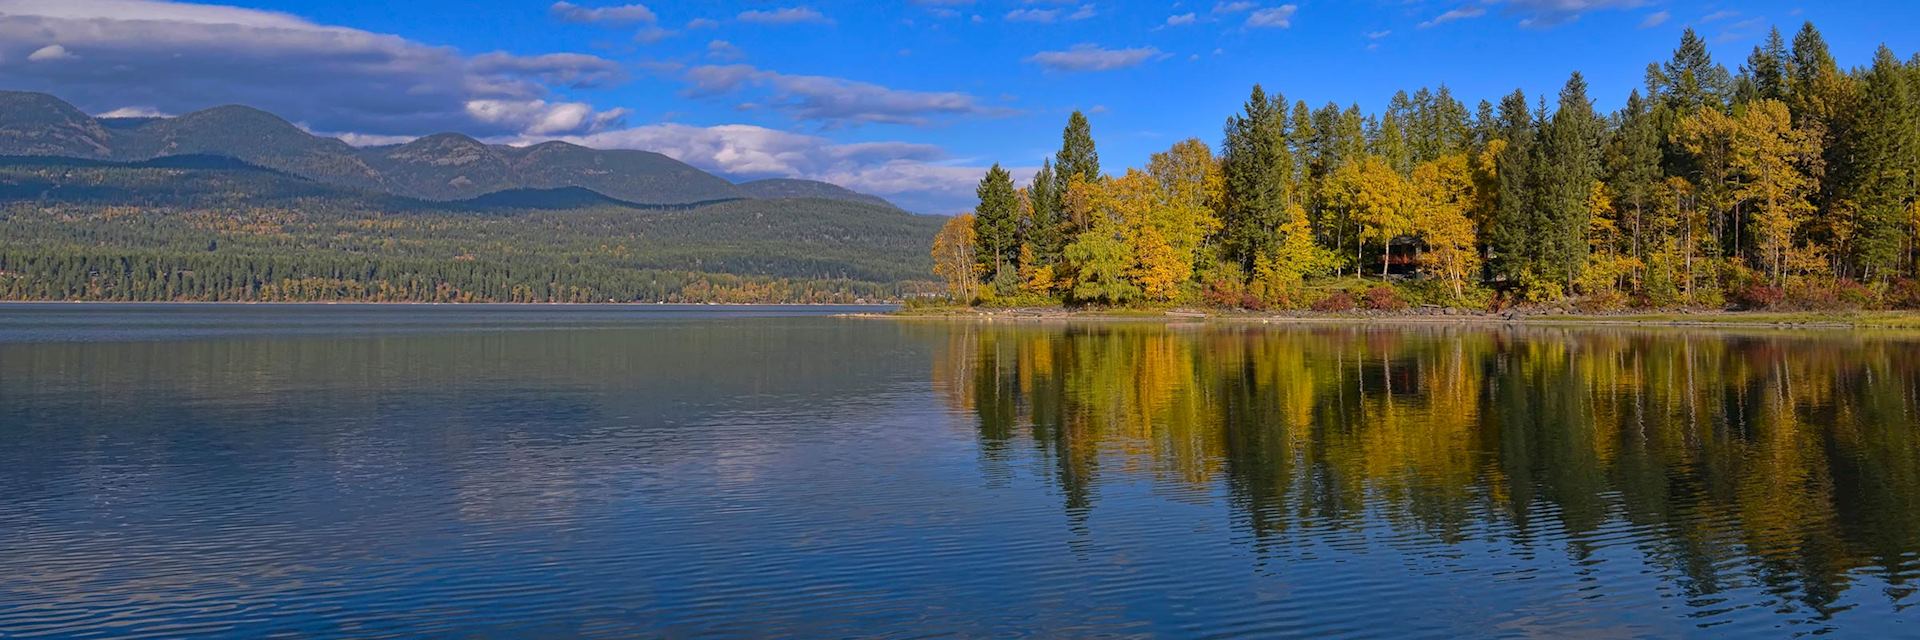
376,472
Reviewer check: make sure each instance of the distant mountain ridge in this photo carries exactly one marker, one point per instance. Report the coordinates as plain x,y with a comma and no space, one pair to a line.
213,227
440,167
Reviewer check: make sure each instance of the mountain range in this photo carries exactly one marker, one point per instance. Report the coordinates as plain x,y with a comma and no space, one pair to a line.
439,167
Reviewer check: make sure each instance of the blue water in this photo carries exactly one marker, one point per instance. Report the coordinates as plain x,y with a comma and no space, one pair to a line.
407,471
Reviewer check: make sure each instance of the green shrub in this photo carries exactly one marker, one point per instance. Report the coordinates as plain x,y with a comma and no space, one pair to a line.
1426,291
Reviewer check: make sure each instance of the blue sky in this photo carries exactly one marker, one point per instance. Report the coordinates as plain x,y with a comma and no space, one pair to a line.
909,99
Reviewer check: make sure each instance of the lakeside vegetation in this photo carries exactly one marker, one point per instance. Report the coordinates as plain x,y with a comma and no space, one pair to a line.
1789,184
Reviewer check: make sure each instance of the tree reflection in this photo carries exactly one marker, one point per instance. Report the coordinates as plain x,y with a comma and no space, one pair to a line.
1788,461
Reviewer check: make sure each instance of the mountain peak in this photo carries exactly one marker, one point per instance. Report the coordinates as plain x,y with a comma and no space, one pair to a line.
557,145
40,124
444,149
442,166
447,138
798,188
237,113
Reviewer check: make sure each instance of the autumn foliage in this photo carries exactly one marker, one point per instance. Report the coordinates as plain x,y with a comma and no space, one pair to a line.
1790,184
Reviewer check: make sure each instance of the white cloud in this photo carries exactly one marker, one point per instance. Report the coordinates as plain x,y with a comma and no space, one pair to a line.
623,14
1462,13
1181,20
918,176
538,117
1238,6
368,139
1048,16
134,112
178,57
1655,19
50,53
834,101
1539,14
723,50
652,34
790,15
1033,15
1376,35
1280,17
1543,14
568,69
1090,57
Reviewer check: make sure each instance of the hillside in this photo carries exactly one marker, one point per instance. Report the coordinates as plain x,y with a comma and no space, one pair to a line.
445,166
788,188
213,228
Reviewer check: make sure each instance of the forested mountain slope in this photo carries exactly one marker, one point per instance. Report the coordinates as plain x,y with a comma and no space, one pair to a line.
214,228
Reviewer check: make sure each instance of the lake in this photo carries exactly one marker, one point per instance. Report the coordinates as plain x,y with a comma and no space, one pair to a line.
405,471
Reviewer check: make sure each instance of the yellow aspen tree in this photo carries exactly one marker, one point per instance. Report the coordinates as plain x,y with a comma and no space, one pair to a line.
1776,163
1190,182
1036,279
1375,196
1607,264
1140,204
1294,256
1444,193
953,256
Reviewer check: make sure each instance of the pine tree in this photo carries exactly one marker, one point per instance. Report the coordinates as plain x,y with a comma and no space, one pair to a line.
1390,143
1569,160
1818,94
1511,243
1486,128
1077,156
1875,177
1632,170
1816,89
1691,79
995,223
1258,177
1769,66
1043,231
1304,142
1436,125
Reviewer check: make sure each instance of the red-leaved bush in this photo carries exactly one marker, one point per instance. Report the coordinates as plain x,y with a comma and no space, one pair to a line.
1337,302
1759,295
1384,299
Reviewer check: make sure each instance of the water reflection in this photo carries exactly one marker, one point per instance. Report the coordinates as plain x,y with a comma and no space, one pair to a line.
385,472
1788,466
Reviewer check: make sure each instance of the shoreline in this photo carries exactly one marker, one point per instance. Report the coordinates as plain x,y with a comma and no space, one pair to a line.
347,303
1785,320
1789,320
